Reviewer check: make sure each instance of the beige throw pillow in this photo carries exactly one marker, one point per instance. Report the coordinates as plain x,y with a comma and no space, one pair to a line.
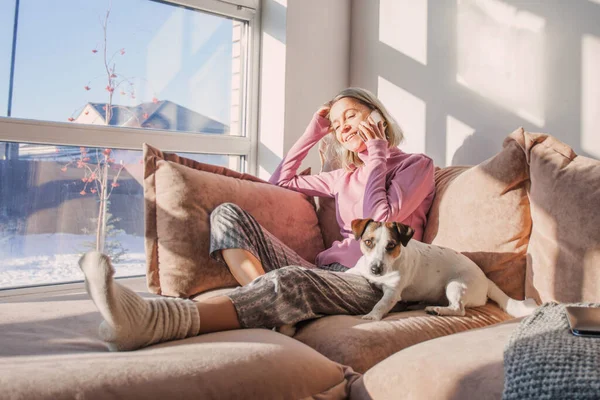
483,212
179,196
564,250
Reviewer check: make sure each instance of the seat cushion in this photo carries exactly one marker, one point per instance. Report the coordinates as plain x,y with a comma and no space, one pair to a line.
49,349
564,249
358,343
467,365
483,212
179,196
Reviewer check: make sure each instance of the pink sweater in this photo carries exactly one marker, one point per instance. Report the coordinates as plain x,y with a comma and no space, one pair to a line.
390,186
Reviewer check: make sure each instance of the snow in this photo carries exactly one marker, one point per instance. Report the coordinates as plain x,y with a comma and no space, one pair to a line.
52,258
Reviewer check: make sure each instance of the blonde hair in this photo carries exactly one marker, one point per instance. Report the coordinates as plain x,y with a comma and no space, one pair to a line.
393,132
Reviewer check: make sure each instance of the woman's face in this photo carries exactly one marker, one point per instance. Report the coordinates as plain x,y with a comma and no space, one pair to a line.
345,115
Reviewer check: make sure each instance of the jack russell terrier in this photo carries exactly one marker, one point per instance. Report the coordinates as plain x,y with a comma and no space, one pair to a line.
409,270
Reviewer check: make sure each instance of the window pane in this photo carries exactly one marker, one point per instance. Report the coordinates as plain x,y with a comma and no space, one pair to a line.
49,208
160,67
7,16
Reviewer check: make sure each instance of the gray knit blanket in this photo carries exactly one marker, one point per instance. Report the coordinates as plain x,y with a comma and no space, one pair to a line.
544,360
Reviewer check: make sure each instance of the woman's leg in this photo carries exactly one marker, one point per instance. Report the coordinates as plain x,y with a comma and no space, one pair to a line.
244,266
293,294
280,297
217,314
130,321
248,249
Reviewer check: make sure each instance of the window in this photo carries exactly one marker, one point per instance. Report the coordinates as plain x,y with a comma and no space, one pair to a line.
85,84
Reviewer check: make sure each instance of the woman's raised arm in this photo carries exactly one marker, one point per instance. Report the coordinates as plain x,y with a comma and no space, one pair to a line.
286,173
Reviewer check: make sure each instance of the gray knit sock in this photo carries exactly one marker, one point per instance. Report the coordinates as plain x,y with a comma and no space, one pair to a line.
130,321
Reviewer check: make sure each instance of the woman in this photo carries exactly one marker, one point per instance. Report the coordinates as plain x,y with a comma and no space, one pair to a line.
377,181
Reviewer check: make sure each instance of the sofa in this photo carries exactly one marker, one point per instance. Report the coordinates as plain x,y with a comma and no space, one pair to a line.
527,216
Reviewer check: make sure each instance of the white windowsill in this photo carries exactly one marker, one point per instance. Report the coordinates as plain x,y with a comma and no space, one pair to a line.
137,283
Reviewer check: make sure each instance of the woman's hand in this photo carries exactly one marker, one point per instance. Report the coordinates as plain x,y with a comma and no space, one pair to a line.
323,111
369,130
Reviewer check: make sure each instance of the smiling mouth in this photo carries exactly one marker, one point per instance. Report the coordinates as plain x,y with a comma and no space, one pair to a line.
350,136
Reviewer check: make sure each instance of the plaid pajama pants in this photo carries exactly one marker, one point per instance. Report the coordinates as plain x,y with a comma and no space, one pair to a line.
292,289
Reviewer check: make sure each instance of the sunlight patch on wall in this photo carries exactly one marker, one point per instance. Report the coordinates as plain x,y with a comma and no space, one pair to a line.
409,112
403,26
501,56
456,134
590,95
595,1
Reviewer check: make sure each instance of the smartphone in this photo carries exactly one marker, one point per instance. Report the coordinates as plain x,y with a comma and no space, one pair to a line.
584,321
376,115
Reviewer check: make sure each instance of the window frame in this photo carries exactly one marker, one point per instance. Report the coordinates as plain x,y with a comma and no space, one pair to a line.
68,134
63,133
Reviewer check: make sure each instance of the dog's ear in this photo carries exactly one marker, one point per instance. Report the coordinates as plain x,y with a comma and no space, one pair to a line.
405,231
359,226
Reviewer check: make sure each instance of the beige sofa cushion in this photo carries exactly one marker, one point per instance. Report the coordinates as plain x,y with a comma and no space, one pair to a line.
179,196
564,249
483,212
469,365
360,344
49,349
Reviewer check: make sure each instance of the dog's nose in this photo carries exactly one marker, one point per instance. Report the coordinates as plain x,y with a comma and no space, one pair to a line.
376,269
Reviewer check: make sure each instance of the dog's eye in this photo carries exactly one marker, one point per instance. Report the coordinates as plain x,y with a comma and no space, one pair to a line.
368,243
390,246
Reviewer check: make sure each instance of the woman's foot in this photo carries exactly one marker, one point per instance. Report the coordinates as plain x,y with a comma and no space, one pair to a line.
131,322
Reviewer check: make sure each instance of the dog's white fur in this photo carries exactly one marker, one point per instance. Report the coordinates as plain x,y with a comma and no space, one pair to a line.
414,271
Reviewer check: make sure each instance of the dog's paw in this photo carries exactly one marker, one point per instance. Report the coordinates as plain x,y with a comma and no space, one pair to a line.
432,310
372,317
287,330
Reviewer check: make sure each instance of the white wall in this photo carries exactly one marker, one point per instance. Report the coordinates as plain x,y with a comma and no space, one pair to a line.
304,62
460,75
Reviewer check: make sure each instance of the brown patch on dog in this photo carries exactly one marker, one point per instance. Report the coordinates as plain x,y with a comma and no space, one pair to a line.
367,236
405,232
359,226
395,235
